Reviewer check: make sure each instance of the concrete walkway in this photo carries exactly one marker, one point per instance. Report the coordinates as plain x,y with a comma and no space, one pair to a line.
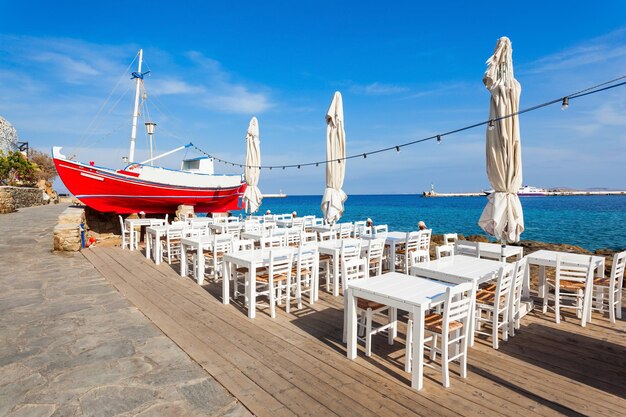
71,345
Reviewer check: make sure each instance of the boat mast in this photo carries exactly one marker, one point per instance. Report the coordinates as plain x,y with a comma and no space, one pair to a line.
133,134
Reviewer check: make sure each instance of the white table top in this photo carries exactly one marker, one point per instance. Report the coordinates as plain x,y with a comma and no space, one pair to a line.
257,256
548,258
144,222
458,268
258,235
336,244
496,249
197,240
402,288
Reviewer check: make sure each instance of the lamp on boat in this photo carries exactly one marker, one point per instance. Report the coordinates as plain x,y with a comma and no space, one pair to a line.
150,131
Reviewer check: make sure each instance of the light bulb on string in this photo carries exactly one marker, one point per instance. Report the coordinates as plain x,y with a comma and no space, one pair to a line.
397,149
565,104
298,166
364,156
491,125
438,139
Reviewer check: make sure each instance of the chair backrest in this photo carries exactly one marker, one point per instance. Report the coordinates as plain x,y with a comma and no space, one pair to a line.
381,230
411,243
376,248
350,250
178,224
359,226
465,247
352,269
281,263
345,230
298,223
424,239
457,306
222,243
566,271
273,241
450,238
293,236
306,237
443,251
308,258
617,270
252,226
518,279
122,227
330,235
504,284
243,244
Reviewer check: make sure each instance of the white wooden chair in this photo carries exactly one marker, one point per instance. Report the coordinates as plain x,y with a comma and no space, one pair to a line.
568,288
348,252
308,237
493,307
126,235
353,269
467,248
276,282
293,236
608,291
358,227
403,252
443,251
222,243
450,238
423,245
516,296
345,230
451,327
374,256
171,249
381,230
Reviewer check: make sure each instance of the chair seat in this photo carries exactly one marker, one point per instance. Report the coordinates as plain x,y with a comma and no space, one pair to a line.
403,251
568,285
364,304
602,282
434,323
489,287
325,257
266,277
374,261
303,271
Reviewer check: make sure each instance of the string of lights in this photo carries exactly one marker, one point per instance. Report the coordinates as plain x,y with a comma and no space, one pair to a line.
439,137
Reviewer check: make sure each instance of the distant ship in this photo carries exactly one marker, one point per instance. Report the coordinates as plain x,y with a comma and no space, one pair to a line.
526,191
279,195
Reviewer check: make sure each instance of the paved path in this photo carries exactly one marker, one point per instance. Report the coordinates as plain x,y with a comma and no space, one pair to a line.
71,345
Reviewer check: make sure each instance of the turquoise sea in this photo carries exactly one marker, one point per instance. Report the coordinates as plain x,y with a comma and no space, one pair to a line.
591,222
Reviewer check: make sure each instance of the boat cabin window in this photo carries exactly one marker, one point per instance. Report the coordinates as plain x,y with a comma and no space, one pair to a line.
191,164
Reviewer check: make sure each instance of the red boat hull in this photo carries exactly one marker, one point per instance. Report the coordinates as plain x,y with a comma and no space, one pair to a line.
114,191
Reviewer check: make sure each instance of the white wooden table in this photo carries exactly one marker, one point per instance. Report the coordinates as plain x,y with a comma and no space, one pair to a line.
547,258
257,236
155,234
458,269
401,291
130,224
251,259
199,244
495,251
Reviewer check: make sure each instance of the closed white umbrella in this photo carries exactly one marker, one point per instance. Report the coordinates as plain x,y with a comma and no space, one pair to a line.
332,202
252,196
503,217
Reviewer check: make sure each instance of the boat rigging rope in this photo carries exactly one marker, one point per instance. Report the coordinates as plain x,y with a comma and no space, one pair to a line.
607,85
87,132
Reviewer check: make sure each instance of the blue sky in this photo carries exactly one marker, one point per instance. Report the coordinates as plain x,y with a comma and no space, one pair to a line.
406,70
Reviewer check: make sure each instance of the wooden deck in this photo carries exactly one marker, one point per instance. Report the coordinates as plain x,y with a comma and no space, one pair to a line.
297,365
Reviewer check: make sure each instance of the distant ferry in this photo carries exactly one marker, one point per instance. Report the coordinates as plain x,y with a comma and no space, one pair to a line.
527,191
279,195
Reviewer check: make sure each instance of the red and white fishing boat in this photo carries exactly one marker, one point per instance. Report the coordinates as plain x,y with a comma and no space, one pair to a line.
148,188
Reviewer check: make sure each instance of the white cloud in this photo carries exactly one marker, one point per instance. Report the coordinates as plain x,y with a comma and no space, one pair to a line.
378,89
172,86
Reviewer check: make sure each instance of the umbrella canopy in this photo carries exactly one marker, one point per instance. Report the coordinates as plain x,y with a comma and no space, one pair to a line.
332,202
252,196
503,217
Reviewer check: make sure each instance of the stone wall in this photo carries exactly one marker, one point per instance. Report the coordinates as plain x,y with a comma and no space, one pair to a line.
67,231
13,198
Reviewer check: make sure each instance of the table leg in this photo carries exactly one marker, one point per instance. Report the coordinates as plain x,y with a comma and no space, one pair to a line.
200,265
183,260
252,292
542,280
472,313
147,245
526,285
157,249
351,324
336,273
226,282
417,360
